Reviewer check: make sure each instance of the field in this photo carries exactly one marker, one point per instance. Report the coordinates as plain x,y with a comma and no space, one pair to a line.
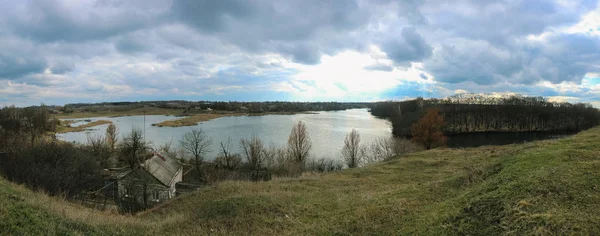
545,187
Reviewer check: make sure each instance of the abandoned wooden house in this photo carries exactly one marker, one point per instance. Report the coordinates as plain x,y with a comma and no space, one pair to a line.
144,187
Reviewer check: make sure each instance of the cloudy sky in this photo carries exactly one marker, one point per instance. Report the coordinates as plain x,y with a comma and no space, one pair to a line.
68,51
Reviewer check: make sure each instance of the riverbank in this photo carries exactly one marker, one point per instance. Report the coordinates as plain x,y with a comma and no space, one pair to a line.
195,119
546,187
65,126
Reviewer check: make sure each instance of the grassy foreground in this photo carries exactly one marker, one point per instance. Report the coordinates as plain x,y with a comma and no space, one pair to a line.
546,188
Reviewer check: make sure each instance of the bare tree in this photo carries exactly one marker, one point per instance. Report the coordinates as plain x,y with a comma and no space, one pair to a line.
196,144
168,150
299,143
254,151
380,149
133,148
97,144
112,135
352,151
385,148
226,157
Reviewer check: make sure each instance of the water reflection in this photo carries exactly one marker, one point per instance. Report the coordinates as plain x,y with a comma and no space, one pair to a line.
327,129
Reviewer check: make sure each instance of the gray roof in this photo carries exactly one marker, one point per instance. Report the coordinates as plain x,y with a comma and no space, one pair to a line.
162,168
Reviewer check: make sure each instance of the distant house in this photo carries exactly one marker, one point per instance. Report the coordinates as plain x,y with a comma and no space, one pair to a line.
143,187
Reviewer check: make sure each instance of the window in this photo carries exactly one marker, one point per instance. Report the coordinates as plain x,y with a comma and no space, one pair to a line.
156,196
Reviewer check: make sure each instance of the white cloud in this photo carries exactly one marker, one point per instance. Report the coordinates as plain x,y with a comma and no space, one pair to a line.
68,51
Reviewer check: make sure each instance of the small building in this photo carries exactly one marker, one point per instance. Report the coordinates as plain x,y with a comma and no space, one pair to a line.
141,188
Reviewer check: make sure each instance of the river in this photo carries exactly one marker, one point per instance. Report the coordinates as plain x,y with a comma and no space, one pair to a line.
327,129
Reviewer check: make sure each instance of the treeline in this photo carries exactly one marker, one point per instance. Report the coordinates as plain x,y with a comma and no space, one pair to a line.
253,107
469,113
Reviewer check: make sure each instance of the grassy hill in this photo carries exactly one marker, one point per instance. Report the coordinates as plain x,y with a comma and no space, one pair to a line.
546,187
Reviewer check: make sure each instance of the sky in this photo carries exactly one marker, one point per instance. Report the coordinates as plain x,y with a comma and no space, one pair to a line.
68,51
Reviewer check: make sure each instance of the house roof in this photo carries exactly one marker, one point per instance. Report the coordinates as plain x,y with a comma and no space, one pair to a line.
162,168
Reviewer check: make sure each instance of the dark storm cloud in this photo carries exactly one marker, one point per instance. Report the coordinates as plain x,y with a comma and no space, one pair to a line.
286,27
62,67
14,67
19,58
410,47
563,57
502,21
51,21
132,44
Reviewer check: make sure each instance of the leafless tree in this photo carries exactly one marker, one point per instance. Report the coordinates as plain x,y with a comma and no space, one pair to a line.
299,143
98,146
385,148
168,150
196,144
254,152
112,135
133,148
352,151
227,158
380,149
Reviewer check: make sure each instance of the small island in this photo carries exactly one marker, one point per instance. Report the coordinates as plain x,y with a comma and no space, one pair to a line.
65,125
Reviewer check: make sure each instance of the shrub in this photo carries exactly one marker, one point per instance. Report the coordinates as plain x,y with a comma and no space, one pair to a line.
58,168
428,130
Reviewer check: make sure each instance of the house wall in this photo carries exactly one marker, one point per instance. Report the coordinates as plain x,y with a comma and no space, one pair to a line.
132,187
178,178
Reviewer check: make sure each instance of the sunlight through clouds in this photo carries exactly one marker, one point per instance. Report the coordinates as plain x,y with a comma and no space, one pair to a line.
295,50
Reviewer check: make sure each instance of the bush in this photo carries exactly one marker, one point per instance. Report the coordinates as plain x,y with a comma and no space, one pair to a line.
58,168
383,148
323,165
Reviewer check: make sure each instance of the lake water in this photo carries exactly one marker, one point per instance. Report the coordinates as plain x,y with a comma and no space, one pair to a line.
327,130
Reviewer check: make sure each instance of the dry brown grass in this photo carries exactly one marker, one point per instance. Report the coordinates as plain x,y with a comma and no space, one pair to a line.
194,119
201,117
65,127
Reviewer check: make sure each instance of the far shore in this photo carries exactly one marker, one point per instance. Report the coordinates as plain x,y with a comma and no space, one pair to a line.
133,112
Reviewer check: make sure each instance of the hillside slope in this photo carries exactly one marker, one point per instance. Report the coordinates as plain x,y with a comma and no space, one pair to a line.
546,187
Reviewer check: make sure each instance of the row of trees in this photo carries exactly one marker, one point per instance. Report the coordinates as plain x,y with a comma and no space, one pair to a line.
466,113
276,106
290,160
252,155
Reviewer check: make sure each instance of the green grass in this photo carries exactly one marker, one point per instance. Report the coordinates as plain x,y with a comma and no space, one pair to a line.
545,188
